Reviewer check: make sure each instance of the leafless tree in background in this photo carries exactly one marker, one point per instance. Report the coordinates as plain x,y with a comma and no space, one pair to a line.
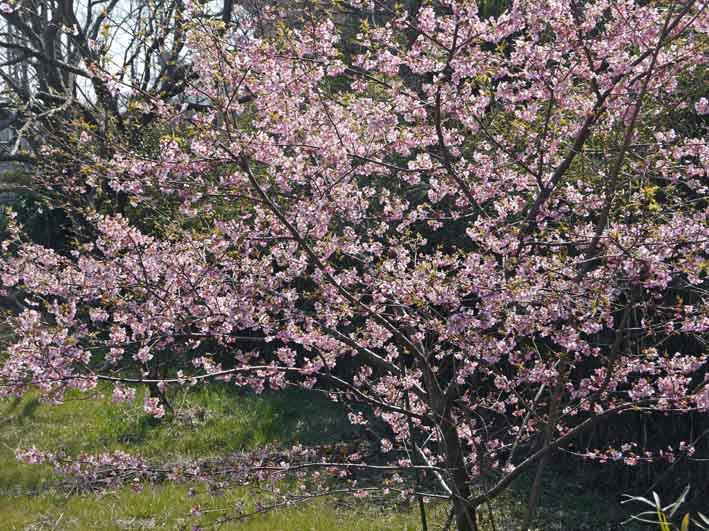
62,60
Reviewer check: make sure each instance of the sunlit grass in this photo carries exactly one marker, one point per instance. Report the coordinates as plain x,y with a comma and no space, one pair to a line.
209,422
168,507
212,421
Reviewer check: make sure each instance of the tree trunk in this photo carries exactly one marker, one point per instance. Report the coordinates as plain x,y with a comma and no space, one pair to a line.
465,514
548,435
536,492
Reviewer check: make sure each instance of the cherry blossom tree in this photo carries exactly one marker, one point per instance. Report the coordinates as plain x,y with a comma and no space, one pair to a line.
496,217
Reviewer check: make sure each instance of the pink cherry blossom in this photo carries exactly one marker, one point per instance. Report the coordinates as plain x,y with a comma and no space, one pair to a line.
477,227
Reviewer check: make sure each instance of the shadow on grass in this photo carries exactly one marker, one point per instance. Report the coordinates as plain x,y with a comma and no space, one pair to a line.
29,409
209,421
219,419
568,503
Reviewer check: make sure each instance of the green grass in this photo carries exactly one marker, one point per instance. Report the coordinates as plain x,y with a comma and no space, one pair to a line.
168,507
215,421
210,421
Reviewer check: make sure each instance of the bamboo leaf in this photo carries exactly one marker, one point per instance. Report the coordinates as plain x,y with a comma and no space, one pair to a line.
664,526
638,499
679,501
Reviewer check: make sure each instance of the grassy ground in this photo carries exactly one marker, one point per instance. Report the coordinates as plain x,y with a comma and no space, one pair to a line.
210,422
214,421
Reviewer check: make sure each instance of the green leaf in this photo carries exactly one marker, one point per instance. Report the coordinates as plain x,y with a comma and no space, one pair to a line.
685,523
656,497
704,525
679,501
638,499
